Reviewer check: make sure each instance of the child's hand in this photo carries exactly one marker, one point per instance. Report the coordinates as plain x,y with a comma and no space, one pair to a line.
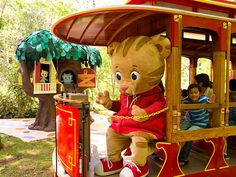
104,99
212,98
137,111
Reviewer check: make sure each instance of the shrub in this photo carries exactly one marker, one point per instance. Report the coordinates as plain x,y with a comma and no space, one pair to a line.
14,101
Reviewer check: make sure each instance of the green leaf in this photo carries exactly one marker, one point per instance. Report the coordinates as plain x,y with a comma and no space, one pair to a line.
49,57
43,46
34,40
42,43
63,53
53,54
67,56
39,48
35,57
76,56
22,57
45,39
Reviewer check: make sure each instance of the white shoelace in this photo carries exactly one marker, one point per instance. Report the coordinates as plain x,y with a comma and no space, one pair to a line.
132,164
109,163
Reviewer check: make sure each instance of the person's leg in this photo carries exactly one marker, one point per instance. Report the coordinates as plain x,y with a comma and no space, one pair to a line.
114,163
140,150
116,143
194,127
226,156
186,124
138,166
185,150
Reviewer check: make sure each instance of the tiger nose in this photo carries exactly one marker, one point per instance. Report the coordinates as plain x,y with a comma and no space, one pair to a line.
124,87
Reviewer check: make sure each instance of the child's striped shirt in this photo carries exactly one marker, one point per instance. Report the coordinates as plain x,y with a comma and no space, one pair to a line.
198,117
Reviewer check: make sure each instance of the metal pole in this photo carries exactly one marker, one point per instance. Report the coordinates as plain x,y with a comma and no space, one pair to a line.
85,114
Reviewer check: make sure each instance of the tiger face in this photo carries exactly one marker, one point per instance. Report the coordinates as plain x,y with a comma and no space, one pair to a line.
138,63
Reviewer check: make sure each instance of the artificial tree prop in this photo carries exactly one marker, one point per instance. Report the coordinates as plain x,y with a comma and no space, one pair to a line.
43,44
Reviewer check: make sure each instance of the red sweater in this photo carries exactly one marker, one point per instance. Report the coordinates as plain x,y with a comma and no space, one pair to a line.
151,101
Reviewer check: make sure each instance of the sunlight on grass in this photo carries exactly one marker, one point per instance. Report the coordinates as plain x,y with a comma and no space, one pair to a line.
26,158
33,152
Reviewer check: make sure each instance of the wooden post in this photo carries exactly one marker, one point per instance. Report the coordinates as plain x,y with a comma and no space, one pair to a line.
173,89
218,87
226,120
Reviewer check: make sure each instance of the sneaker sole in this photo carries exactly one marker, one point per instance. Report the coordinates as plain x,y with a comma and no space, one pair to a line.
140,176
109,173
145,174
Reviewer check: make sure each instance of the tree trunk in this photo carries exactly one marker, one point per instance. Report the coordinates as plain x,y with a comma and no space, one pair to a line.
46,115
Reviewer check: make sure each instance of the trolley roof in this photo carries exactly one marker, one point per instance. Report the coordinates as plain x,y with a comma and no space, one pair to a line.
100,27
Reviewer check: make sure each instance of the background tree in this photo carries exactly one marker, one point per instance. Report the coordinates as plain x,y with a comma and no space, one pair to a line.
42,44
18,19
105,81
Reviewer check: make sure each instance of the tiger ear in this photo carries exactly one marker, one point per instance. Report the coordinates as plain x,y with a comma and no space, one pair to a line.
162,44
111,48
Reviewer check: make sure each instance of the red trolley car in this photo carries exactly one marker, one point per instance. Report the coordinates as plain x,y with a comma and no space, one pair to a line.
214,24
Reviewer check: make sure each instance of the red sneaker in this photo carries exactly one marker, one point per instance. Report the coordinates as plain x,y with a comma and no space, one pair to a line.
127,152
133,170
105,167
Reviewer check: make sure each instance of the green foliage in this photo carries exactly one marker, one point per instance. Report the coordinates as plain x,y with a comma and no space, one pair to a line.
19,18
42,44
184,73
204,66
93,56
1,26
27,16
1,144
15,107
1,22
21,105
104,81
7,111
14,101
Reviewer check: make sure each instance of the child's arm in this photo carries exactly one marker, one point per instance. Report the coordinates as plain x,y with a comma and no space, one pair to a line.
212,98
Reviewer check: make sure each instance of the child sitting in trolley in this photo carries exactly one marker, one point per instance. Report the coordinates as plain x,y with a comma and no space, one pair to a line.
232,98
232,110
195,119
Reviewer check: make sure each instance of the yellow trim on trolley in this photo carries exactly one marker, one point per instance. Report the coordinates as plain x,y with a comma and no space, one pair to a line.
166,157
71,122
222,4
214,149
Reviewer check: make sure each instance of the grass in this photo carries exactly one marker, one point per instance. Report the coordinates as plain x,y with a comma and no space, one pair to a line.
26,159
